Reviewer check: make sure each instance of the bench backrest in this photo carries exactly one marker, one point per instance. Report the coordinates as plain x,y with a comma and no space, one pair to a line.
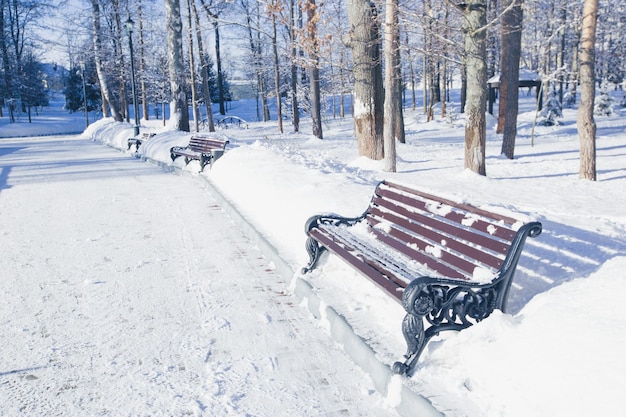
456,240
206,144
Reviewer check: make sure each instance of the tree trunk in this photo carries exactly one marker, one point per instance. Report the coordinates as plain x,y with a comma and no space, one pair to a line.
391,84
474,35
179,112
220,73
316,106
585,121
509,79
204,71
279,111
295,107
97,48
192,70
367,70
8,82
397,66
142,64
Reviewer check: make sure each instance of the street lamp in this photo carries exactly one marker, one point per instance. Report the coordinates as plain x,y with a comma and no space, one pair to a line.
130,26
82,74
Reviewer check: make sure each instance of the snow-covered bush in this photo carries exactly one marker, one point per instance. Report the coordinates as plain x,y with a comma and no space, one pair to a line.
569,100
551,111
604,103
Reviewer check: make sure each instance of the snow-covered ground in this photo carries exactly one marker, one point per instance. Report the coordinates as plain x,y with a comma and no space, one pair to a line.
557,352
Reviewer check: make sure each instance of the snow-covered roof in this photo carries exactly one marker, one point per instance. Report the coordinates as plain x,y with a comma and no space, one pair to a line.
524,75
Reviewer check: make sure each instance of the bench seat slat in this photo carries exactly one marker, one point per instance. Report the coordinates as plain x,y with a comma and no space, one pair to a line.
335,245
459,231
492,225
398,188
436,257
414,234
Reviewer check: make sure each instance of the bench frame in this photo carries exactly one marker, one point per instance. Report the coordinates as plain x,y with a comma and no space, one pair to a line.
138,141
452,302
205,149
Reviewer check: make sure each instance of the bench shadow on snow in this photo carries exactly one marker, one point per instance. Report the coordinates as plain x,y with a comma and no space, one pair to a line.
560,254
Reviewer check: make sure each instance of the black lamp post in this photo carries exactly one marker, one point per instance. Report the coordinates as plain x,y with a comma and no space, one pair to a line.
82,74
130,26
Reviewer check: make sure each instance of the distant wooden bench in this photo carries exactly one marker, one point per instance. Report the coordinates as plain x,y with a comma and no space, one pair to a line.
450,264
138,141
232,121
201,148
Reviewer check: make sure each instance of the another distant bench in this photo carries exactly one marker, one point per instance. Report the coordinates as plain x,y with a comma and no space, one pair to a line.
232,121
138,141
450,264
201,148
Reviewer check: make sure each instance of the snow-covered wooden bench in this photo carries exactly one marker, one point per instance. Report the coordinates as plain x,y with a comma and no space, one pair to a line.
449,264
137,141
201,148
232,121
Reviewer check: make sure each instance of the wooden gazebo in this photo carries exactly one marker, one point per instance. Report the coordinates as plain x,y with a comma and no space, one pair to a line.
527,79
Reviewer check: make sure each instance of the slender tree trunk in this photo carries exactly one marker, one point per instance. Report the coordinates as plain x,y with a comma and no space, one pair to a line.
367,70
8,82
512,43
220,72
561,56
279,111
574,73
294,66
142,64
585,121
104,84
391,84
316,106
397,66
179,112
474,35
192,70
204,71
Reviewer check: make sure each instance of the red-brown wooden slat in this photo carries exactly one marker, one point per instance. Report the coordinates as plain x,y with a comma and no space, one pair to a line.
502,230
446,266
417,230
339,243
445,262
460,233
205,144
465,207
388,285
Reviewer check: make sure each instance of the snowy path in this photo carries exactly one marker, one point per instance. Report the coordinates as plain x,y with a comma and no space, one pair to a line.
128,291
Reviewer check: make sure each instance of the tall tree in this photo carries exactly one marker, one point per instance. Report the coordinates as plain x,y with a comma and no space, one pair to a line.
475,51
274,8
213,9
294,15
7,82
204,69
253,16
192,70
364,42
509,79
108,99
314,68
142,63
585,121
179,113
392,89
